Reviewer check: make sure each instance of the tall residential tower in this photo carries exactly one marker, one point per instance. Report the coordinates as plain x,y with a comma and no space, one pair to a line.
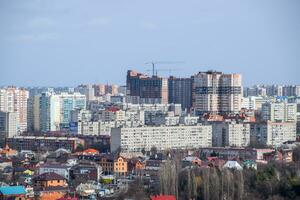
217,93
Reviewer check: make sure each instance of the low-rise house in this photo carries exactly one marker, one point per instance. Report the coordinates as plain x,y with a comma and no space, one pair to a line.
215,162
153,165
120,166
136,166
5,162
12,192
107,164
84,172
250,164
283,155
233,165
8,152
49,179
60,169
190,161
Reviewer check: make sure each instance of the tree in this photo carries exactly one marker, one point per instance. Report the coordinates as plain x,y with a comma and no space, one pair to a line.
79,147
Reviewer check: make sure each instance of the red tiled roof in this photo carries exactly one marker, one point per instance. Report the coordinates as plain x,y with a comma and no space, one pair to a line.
49,176
163,197
91,151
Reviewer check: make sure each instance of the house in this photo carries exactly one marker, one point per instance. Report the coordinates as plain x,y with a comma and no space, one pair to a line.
107,163
250,164
60,169
233,165
153,165
12,192
215,162
136,166
5,162
191,160
90,152
120,166
283,155
49,179
85,171
8,152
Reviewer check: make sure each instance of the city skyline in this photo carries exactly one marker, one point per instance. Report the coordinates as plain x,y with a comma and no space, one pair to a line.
68,43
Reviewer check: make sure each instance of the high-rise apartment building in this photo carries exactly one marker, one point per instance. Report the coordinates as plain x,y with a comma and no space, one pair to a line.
8,125
53,112
279,112
87,90
14,99
99,89
49,112
144,89
273,133
230,134
217,93
69,102
180,91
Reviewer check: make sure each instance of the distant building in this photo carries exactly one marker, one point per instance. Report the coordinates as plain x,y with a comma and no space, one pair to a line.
273,133
217,93
14,99
43,143
53,112
136,139
48,112
279,111
144,89
8,125
230,134
12,192
180,91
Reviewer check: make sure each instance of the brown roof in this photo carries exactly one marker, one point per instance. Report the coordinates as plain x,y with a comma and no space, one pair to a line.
48,177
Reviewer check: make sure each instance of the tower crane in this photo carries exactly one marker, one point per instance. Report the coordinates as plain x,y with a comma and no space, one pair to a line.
153,63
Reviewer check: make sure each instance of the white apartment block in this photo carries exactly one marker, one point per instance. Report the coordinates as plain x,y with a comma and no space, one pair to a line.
14,99
8,124
136,139
230,134
279,111
217,93
273,133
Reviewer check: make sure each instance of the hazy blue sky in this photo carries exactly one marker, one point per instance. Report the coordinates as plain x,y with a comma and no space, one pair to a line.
68,42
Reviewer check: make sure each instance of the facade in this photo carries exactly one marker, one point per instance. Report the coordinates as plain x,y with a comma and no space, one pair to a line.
144,89
14,99
62,170
48,112
230,134
120,166
69,102
180,91
273,133
136,139
43,143
279,111
53,112
8,125
217,93
49,179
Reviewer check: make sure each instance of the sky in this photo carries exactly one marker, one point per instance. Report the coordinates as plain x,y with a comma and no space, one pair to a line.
69,42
